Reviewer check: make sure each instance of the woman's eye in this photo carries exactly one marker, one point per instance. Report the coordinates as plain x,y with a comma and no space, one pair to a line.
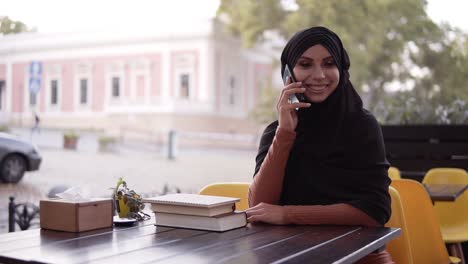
304,64
329,63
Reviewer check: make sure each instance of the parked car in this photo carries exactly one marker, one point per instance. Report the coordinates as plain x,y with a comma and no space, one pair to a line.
16,157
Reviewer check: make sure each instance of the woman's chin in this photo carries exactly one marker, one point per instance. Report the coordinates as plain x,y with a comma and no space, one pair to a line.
316,98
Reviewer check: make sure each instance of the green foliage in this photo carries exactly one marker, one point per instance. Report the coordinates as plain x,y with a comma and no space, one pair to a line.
4,128
8,26
388,42
249,19
454,113
265,112
107,143
447,60
70,135
405,108
106,140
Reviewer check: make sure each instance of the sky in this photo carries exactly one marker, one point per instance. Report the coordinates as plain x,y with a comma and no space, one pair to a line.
96,15
118,15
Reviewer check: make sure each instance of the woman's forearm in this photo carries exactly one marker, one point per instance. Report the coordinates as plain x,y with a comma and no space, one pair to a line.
335,214
268,182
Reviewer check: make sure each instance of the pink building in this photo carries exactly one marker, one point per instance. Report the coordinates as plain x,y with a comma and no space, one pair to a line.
194,79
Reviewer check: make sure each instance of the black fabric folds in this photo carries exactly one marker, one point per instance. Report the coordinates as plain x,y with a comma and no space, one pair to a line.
338,155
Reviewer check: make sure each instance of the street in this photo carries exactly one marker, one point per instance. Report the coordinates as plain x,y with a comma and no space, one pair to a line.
146,170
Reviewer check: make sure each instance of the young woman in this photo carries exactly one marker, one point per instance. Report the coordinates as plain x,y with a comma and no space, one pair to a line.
323,161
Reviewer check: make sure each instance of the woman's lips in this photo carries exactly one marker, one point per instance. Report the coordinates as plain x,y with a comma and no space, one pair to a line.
317,88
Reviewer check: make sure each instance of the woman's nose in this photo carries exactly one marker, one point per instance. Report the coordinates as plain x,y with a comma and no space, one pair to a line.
317,73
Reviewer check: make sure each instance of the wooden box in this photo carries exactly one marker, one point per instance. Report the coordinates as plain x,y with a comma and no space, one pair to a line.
72,216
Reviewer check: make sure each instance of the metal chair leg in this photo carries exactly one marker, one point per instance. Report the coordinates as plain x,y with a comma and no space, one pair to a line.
456,250
11,214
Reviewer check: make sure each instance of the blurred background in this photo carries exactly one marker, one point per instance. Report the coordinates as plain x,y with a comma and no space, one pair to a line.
173,95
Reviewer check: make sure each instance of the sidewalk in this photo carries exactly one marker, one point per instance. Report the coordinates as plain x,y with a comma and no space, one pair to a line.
53,138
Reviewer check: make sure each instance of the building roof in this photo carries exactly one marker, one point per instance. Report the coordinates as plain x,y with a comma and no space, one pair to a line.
31,41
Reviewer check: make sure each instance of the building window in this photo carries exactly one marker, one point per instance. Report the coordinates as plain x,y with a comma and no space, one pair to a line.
115,86
232,90
184,85
140,86
83,91
32,99
53,92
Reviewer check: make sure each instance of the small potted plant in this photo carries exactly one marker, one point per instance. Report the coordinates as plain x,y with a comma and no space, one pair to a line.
4,128
107,143
129,204
70,140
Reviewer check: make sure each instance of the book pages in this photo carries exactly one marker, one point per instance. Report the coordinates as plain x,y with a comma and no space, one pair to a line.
186,199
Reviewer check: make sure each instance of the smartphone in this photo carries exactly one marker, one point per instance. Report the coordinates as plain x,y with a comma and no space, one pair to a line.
294,98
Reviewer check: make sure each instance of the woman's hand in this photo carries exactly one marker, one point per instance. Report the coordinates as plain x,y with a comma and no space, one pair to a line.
287,116
267,213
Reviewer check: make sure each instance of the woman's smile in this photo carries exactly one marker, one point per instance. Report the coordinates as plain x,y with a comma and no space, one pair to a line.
315,88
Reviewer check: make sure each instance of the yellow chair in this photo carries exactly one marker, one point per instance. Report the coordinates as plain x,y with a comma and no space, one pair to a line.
230,189
399,248
453,216
425,238
394,173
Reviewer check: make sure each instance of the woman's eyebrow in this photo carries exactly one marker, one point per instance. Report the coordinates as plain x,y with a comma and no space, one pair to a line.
308,58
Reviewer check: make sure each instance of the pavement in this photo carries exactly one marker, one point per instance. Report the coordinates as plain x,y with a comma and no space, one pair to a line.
143,165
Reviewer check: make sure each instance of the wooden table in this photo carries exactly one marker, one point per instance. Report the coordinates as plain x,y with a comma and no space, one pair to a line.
149,243
445,192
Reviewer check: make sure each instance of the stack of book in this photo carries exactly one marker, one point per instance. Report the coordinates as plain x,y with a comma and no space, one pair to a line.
195,211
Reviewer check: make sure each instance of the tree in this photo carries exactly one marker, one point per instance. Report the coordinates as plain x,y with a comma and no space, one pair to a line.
8,26
265,112
249,19
389,42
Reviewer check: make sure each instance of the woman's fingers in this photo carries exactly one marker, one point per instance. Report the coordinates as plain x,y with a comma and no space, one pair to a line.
257,209
290,106
292,88
292,85
287,92
254,212
255,218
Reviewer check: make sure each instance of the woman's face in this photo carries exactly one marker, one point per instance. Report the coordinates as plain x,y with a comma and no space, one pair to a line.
317,71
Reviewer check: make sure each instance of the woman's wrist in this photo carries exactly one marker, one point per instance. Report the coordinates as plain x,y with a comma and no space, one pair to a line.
285,133
286,215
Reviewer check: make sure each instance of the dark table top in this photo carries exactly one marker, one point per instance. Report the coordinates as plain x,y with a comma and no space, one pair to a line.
149,243
445,192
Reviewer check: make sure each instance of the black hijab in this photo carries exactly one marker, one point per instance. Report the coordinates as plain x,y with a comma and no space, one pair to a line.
338,155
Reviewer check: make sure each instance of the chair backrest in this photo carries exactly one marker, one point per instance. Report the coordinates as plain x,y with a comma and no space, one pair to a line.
427,245
451,214
394,173
230,189
399,248
446,176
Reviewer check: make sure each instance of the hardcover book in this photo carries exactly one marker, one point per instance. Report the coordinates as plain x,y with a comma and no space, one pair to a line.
217,223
